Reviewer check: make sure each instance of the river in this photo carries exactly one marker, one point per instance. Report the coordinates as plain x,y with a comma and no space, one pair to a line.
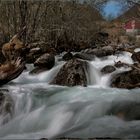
50,111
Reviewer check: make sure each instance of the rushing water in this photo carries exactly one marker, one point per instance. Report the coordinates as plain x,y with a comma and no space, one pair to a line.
43,110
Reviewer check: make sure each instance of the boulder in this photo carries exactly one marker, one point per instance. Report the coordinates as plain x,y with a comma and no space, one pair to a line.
108,69
73,73
36,50
126,110
41,47
46,60
10,71
105,51
129,79
33,54
84,56
67,56
31,58
102,52
136,56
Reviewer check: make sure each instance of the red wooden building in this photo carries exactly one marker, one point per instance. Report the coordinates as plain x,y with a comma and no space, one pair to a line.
132,26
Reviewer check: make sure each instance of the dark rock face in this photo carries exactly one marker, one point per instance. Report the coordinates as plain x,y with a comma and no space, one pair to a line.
101,52
33,55
36,50
126,110
46,60
136,56
108,69
129,79
67,56
6,106
84,56
30,58
73,73
105,51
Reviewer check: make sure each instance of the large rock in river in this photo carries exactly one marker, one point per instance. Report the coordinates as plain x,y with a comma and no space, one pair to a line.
46,60
33,54
129,79
84,56
108,69
36,50
67,56
73,73
101,52
136,56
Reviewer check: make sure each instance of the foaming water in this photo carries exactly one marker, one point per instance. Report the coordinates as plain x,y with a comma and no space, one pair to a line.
100,80
95,77
137,50
110,60
61,111
51,111
47,76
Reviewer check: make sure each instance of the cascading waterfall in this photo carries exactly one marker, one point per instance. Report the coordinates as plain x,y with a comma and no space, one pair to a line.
100,80
43,110
46,76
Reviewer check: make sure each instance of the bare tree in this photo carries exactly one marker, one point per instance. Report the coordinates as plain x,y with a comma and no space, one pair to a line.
54,22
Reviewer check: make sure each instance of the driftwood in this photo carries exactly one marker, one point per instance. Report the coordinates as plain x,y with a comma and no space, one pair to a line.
10,71
15,47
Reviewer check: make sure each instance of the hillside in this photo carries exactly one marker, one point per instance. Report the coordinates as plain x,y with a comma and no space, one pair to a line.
85,10
50,21
133,12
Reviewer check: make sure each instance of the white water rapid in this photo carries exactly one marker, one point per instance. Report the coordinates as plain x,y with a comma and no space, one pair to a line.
50,111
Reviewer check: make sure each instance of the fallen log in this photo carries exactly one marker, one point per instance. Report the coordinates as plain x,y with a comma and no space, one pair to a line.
10,71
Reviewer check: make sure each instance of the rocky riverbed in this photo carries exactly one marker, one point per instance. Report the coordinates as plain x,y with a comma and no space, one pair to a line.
71,94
